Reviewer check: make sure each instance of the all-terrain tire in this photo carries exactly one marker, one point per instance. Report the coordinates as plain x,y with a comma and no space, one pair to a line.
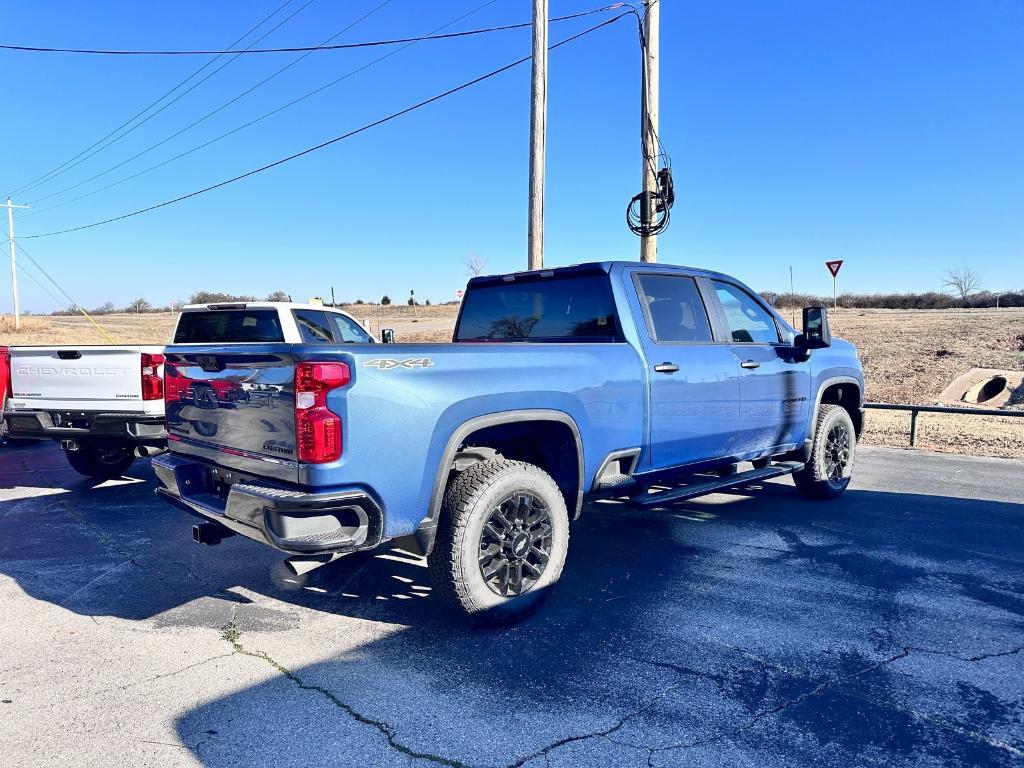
459,558
101,461
833,452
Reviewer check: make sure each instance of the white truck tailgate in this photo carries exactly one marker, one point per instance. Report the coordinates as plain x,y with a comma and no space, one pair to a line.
66,378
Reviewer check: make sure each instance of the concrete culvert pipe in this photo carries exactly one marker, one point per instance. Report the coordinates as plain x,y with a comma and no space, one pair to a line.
985,390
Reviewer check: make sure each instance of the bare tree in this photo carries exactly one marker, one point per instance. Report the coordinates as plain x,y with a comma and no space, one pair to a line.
475,264
962,281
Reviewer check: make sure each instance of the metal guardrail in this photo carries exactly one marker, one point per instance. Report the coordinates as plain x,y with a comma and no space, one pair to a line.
916,409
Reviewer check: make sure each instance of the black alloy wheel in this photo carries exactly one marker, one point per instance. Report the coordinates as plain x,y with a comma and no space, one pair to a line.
515,545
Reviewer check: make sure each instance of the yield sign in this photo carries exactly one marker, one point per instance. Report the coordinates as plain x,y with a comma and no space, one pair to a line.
833,266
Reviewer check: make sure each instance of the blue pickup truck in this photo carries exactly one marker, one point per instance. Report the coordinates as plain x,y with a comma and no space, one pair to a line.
649,382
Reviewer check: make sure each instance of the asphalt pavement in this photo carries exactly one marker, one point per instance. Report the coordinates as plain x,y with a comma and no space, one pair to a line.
746,629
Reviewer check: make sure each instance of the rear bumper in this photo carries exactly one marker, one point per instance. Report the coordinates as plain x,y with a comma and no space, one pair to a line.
291,521
134,428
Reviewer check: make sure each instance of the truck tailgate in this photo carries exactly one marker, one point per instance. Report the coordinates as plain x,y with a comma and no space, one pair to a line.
233,405
78,378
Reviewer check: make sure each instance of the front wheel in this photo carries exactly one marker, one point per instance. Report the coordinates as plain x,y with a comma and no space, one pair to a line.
833,450
101,461
501,542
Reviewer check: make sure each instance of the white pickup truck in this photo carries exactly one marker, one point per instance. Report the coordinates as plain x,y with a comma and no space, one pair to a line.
105,404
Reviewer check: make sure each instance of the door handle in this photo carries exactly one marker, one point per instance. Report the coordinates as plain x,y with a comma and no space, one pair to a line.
750,364
666,368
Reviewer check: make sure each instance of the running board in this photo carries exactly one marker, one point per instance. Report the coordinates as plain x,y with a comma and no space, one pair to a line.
692,490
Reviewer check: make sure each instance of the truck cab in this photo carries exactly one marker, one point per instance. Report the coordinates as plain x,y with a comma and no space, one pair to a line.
650,383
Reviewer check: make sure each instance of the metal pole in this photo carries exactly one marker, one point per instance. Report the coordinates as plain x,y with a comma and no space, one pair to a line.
913,429
649,123
835,301
14,261
538,133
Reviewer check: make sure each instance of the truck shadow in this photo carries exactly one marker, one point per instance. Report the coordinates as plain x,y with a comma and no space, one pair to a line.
649,601
668,627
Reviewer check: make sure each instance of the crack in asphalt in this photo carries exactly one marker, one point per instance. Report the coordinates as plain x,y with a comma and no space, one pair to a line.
233,635
98,533
785,705
604,733
126,686
817,690
979,657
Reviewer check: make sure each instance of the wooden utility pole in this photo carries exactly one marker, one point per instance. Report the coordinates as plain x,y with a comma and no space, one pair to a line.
649,125
14,260
538,133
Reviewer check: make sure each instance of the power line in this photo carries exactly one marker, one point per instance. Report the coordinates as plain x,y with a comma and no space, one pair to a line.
262,117
213,112
305,48
32,277
335,140
99,146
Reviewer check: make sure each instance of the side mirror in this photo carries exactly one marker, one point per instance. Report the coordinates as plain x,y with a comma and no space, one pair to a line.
817,334
387,336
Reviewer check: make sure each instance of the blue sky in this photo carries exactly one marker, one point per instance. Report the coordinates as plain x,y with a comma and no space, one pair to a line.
885,134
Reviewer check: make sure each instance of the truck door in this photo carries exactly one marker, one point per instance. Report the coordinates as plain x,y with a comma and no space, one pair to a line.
774,383
694,382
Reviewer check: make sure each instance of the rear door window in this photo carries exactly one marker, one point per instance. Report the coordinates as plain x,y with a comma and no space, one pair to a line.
347,331
313,326
229,326
568,309
675,309
748,321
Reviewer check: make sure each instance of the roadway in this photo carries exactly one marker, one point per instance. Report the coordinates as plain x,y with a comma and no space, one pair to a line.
746,629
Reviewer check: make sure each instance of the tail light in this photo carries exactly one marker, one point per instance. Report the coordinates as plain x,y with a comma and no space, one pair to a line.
152,384
318,429
5,374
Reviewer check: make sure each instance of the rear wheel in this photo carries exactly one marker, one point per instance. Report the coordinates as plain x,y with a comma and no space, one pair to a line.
833,451
501,540
103,461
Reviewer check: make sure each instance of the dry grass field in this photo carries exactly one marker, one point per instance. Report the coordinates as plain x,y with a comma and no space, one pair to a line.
908,357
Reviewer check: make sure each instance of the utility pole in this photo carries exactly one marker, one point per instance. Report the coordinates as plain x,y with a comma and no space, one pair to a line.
538,133
14,261
649,125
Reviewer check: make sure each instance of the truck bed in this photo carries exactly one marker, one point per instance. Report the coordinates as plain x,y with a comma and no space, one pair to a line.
238,413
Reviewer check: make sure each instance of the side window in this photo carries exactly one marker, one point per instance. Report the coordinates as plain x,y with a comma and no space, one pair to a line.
347,331
313,326
676,310
748,321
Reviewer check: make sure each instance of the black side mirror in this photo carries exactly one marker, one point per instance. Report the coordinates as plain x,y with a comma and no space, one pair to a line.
387,336
817,334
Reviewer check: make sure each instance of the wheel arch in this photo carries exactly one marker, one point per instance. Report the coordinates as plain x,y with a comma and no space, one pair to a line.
844,391
506,432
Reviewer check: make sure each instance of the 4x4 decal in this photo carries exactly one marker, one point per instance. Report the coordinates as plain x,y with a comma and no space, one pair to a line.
386,364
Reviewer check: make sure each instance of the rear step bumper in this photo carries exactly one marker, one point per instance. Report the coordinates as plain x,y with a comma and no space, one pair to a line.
70,425
288,520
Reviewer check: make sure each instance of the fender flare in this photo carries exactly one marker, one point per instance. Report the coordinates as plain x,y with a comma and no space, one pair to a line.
805,450
427,529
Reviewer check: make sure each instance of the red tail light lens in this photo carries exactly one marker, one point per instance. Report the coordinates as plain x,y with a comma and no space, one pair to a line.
5,373
317,428
152,383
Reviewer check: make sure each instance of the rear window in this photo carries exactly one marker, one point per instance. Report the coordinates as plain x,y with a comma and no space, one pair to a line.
576,309
228,326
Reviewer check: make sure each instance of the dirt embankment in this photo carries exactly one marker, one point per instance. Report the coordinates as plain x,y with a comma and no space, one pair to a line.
910,357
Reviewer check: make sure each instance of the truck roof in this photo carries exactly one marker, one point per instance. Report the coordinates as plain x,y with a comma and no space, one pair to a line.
596,266
215,305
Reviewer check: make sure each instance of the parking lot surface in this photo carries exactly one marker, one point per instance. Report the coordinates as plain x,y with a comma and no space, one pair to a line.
746,629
